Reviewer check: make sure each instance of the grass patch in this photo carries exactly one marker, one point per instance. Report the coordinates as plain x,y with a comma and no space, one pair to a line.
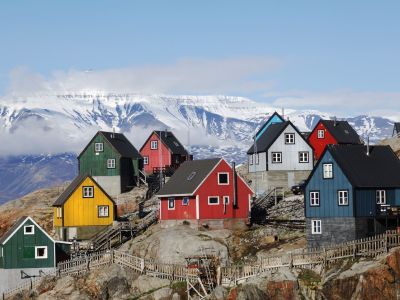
310,278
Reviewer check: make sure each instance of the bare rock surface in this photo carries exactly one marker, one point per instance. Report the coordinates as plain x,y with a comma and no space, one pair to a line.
172,245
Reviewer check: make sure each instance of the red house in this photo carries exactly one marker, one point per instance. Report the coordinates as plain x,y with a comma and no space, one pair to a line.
332,132
163,150
205,192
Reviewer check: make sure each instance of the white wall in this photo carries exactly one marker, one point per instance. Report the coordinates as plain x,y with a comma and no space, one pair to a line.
290,153
111,184
262,162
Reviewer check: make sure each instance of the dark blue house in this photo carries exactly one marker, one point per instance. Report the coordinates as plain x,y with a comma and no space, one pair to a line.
353,192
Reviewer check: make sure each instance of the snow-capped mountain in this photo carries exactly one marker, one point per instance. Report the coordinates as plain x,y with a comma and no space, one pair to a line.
208,125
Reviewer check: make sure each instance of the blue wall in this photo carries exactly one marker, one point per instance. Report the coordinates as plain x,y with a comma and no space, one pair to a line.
274,119
328,189
366,200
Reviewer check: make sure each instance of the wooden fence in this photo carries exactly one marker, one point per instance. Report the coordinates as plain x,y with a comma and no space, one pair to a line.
367,247
228,275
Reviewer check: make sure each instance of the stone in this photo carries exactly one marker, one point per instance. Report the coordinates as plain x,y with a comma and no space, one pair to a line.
176,296
144,284
219,293
163,294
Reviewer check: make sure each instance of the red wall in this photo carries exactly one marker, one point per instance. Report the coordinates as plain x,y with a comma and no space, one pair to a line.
154,155
181,212
211,188
319,145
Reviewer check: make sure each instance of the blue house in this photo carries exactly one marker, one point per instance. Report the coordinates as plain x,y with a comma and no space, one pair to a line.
353,192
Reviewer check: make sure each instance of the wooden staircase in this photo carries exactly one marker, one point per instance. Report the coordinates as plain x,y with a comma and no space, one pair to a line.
263,203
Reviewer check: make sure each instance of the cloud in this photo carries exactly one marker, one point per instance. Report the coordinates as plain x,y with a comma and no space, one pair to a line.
193,76
342,102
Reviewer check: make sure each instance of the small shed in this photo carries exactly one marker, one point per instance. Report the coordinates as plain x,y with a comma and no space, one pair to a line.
27,245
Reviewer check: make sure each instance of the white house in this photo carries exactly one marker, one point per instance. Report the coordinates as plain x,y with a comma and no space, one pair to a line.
281,148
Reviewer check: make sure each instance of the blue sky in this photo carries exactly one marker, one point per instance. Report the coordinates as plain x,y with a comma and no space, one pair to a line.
302,54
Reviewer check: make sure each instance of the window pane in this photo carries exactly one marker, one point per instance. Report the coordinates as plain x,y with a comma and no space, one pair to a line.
222,178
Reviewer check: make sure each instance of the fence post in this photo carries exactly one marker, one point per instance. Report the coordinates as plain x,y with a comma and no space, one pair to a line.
291,261
354,251
142,265
87,262
112,256
386,243
325,256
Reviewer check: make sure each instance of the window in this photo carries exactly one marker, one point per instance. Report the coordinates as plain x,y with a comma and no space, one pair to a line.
328,171
98,147
276,157
40,252
343,197
223,178
289,138
256,158
29,229
87,192
316,227
314,198
380,197
303,157
145,160
214,200
171,203
321,134
185,201
226,200
153,145
103,211
251,159
1,251
59,212
111,163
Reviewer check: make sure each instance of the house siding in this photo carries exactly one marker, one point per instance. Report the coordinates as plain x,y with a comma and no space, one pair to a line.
328,189
319,145
19,250
79,211
96,165
262,163
181,212
366,200
290,153
154,154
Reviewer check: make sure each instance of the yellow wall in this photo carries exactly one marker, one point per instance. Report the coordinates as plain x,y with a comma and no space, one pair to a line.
79,211
56,221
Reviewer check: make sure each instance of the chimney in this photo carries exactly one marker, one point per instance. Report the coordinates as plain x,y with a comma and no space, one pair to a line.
113,134
235,202
368,145
334,121
283,112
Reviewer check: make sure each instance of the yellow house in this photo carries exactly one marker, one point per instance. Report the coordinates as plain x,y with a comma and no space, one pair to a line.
83,209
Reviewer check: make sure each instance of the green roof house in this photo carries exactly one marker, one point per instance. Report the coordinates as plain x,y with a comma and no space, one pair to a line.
27,245
112,161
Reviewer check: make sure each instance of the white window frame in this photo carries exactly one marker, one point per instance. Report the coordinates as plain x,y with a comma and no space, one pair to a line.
343,197
29,233
88,192
98,147
169,200
45,252
275,156
257,158
326,173
315,199
227,175
316,226
153,145
290,138
187,202
226,200
304,157
102,210
251,159
321,134
111,163
59,212
145,160
213,197
380,196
